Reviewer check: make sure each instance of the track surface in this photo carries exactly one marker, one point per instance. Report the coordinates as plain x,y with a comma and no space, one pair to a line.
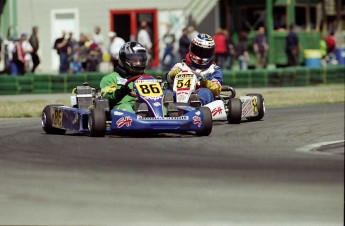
247,174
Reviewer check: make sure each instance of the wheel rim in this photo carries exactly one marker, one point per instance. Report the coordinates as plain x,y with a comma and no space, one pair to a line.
44,119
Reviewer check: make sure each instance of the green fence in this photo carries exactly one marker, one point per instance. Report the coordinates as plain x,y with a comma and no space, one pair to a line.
293,76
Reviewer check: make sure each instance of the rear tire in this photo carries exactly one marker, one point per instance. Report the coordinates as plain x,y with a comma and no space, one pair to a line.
234,115
97,123
207,122
261,107
47,120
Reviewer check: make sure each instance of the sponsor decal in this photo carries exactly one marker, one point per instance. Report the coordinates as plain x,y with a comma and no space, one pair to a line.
246,108
124,121
118,113
157,104
197,113
197,120
164,118
217,110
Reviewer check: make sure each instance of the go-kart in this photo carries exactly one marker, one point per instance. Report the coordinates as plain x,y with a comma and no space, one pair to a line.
225,107
90,113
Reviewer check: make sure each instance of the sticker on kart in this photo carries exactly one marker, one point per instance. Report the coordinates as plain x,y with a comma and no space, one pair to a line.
57,117
149,89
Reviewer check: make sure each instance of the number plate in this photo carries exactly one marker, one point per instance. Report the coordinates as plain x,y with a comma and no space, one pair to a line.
149,89
184,82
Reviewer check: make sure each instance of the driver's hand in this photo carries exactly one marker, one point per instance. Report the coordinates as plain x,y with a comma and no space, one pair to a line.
173,72
125,90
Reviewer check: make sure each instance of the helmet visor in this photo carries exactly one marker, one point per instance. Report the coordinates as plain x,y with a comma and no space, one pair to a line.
202,52
137,60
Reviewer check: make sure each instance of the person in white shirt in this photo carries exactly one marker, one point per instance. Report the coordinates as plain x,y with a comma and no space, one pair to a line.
115,45
98,38
144,38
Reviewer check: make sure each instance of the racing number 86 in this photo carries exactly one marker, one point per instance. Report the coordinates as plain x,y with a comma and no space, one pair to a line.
147,89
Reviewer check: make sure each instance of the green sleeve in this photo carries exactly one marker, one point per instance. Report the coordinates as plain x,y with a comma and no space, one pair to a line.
109,85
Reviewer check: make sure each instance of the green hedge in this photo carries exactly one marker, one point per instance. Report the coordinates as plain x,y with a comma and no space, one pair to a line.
292,76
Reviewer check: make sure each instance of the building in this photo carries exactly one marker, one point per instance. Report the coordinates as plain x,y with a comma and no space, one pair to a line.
121,16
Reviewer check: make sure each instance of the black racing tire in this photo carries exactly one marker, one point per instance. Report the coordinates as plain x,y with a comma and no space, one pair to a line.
261,107
234,115
207,122
47,120
97,123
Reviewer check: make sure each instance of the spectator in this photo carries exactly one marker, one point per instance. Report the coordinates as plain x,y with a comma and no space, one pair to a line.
230,48
169,41
98,38
330,43
115,45
83,51
145,39
292,47
184,43
260,48
241,49
192,32
27,50
35,45
64,49
12,56
75,64
221,49
94,57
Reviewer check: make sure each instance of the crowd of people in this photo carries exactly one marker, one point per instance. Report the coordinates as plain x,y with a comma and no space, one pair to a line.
87,53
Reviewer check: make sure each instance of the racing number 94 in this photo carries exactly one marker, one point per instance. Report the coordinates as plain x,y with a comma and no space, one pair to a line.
57,118
255,104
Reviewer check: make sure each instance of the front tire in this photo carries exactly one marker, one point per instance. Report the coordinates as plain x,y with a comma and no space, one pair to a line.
207,122
261,107
234,115
97,123
47,121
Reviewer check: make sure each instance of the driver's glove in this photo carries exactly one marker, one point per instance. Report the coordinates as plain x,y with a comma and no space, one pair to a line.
123,91
214,86
173,72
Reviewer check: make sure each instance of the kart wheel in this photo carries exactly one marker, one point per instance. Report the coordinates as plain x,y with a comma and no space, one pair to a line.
234,115
207,122
47,121
97,123
261,107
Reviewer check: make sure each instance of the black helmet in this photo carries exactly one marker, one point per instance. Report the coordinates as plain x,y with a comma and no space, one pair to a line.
202,50
133,58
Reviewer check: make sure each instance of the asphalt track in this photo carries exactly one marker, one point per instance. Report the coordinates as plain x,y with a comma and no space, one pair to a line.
257,173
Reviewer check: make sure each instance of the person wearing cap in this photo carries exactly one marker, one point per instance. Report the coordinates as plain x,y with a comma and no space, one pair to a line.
114,48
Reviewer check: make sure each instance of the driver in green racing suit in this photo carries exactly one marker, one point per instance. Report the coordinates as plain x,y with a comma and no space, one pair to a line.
132,62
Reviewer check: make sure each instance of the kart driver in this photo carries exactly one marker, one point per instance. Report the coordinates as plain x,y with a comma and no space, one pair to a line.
132,62
200,60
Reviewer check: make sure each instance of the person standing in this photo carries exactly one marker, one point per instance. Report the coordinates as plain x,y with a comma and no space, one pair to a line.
64,49
292,47
184,43
144,38
241,49
169,41
221,49
34,42
97,37
260,48
115,45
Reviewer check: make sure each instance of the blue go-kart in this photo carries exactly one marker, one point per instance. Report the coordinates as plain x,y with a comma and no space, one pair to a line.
154,113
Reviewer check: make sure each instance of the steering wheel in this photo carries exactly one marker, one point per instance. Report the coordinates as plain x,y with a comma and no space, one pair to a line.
130,80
